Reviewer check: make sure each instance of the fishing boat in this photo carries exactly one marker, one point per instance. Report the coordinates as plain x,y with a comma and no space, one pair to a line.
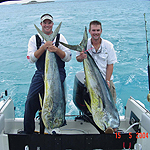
78,133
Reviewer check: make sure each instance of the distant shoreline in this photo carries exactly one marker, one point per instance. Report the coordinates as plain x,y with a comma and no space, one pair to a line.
35,2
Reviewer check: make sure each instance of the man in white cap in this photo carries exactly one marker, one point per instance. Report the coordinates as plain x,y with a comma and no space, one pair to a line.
36,54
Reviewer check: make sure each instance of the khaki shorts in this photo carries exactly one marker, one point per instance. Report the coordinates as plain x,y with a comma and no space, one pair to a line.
113,90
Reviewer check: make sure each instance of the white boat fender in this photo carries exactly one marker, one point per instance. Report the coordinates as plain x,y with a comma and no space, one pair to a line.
26,147
137,146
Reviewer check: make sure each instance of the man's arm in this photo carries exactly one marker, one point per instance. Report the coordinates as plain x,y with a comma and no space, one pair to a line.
109,71
40,51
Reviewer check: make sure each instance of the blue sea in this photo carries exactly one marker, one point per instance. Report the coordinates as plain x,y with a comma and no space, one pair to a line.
122,22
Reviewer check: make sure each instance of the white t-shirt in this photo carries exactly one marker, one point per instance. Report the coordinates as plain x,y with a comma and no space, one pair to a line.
32,48
105,55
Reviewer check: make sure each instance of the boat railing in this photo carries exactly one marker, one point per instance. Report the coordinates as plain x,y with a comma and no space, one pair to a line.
4,100
3,94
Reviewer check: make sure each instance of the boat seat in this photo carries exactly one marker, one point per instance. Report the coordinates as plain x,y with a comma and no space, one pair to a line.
2,122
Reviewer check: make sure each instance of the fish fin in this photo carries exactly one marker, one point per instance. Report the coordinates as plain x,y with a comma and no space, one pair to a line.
40,98
49,37
73,47
85,38
89,108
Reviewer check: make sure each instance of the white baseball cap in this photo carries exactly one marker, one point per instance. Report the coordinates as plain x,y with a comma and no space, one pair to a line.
46,16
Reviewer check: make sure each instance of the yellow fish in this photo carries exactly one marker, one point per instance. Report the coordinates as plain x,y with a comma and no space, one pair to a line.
53,105
102,106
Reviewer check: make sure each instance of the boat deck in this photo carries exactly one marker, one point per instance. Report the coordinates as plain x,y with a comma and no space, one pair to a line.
79,126
77,134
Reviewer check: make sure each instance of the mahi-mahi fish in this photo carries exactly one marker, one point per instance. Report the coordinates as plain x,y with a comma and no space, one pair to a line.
53,105
102,105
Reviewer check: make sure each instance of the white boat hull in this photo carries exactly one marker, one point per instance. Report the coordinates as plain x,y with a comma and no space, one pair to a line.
83,134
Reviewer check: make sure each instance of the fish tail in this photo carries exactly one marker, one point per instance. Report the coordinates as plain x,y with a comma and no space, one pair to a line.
73,47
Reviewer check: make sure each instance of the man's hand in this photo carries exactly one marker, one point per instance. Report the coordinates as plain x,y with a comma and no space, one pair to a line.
50,46
108,83
81,57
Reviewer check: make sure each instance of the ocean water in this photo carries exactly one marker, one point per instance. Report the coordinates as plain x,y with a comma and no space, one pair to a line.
123,25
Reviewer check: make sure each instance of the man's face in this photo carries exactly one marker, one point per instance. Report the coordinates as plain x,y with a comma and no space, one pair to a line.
95,31
47,26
